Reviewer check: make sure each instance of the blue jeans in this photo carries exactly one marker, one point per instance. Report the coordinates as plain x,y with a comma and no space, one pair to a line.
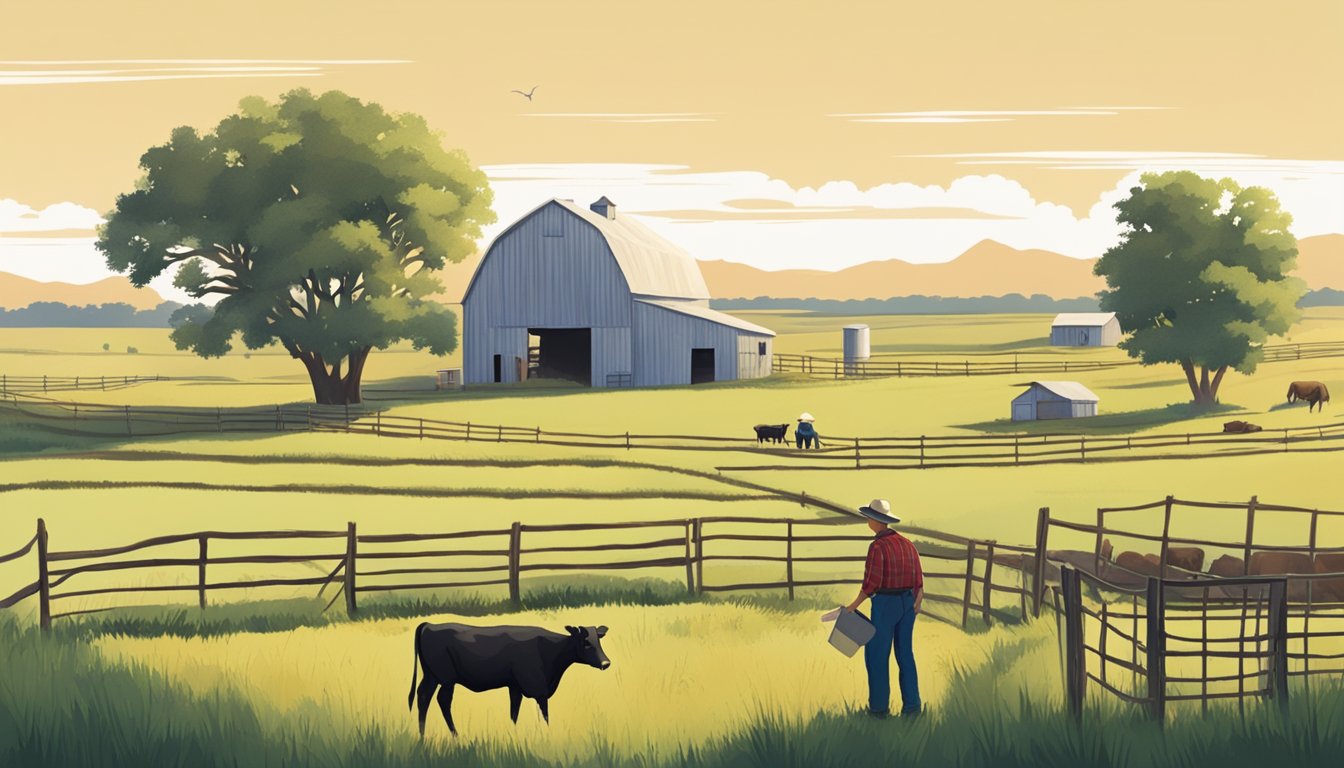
894,620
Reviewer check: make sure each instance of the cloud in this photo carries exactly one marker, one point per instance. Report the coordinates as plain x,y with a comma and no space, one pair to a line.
832,226
15,217
1311,190
982,115
631,117
67,72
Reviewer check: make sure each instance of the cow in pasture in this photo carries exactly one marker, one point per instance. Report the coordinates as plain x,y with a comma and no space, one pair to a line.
529,661
1329,590
1283,563
1314,392
1227,566
775,433
1240,427
1186,558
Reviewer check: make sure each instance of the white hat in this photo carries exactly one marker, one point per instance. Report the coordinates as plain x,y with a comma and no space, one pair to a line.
806,417
879,510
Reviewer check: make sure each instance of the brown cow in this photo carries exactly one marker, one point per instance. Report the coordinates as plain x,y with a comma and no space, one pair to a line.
1314,392
1240,427
1227,566
1186,558
1329,590
1283,563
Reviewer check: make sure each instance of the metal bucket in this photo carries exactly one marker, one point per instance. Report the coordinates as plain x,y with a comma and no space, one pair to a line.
851,632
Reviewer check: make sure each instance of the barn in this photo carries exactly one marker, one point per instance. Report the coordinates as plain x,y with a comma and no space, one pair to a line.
1085,329
587,295
1054,400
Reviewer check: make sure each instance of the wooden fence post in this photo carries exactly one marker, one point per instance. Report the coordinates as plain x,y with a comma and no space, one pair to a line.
1166,543
468,437
699,556
966,594
1250,534
515,558
1075,663
1038,577
690,558
788,558
422,429
1157,650
200,575
351,553
989,583
500,437
1278,642
43,583
856,453
921,451
128,420
378,423
627,441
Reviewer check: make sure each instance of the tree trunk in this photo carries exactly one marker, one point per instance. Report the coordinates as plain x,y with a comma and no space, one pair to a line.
329,386
1217,380
1200,388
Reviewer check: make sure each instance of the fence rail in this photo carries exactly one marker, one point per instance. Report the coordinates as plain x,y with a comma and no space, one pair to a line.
382,562
1238,634
23,384
837,452
895,367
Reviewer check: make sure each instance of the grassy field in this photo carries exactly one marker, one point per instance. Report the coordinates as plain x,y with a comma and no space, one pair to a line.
696,681
762,693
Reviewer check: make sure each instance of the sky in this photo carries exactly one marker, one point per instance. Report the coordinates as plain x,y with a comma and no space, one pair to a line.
779,134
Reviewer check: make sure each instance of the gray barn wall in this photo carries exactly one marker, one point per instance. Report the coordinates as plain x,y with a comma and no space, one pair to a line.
1047,405
1097,336
530,280
611,353
663,341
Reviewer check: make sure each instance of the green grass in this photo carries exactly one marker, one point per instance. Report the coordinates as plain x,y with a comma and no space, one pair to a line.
65,703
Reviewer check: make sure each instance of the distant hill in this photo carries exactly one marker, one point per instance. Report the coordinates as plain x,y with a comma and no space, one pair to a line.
1320,261
988,268
18,292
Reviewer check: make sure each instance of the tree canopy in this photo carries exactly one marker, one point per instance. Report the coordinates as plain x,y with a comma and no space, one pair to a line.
1201,275
317,221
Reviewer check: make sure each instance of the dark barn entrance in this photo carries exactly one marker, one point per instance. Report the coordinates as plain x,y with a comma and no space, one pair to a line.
702,366
564,353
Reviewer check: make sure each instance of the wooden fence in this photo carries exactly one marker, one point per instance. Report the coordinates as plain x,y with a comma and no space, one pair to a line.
895,367
24,384
1237,635
837,453
795,554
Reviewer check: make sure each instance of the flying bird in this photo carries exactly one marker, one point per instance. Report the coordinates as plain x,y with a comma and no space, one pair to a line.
527,95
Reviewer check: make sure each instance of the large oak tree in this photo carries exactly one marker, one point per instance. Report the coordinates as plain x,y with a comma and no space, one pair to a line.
1201,276
318,222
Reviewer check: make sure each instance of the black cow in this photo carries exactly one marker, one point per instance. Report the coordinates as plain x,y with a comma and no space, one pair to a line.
529,661
776,433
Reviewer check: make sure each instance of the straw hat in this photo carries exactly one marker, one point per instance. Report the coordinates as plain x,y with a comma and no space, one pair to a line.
806,417
879,510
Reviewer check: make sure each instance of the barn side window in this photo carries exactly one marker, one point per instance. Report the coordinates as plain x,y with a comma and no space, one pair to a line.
760,348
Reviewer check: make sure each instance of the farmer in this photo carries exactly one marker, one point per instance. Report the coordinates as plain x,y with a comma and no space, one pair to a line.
805,434
894,580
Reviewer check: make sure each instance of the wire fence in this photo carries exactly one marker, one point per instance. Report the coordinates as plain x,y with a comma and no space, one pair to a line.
893,367
1179,626
835,453
26,384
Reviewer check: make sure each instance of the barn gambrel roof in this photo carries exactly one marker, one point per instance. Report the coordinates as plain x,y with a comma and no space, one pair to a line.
651,265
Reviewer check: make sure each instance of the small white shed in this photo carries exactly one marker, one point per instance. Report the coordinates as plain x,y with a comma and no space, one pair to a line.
1085,329
1054,400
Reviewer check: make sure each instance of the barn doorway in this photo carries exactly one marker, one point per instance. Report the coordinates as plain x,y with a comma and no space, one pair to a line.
499,369
702,366
564,353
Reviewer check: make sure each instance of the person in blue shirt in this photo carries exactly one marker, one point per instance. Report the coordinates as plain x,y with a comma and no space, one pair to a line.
806,434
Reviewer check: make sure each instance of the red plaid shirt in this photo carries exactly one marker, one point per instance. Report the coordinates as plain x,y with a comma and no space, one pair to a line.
893,563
